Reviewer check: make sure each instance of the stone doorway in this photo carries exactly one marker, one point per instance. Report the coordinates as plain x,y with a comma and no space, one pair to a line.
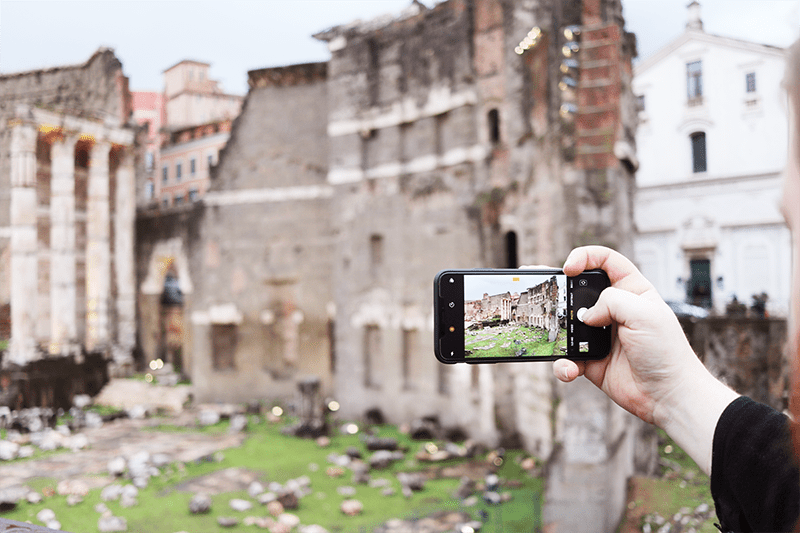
170,348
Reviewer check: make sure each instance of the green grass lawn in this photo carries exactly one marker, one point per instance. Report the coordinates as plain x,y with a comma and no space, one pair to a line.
164,507
505,341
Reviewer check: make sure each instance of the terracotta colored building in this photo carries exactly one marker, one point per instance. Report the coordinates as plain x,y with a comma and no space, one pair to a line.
149,111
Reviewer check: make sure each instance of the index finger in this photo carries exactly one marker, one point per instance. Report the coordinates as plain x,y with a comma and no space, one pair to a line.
621,271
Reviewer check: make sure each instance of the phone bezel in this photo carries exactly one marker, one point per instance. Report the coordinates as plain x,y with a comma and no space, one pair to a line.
444,317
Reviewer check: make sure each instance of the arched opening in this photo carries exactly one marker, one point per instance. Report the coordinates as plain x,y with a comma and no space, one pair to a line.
170,347
512,259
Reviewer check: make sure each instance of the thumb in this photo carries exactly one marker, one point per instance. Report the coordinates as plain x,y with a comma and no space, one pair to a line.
620,306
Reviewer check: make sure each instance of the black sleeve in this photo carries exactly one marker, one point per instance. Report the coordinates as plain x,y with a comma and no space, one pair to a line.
754,475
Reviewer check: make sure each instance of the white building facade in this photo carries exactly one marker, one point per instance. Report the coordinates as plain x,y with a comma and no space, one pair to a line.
712,143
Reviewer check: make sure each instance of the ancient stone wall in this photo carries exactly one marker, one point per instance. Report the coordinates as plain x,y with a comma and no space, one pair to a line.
253,258
447,149
749,354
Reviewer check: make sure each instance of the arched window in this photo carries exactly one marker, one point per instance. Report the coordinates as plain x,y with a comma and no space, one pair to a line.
494,126
698,151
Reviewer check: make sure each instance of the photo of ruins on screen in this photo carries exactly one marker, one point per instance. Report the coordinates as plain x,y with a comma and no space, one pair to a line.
527,318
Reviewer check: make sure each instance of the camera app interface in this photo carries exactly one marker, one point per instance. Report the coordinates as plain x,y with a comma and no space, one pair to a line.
515,316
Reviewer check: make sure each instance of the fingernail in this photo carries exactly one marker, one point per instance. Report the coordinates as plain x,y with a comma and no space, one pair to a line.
564,373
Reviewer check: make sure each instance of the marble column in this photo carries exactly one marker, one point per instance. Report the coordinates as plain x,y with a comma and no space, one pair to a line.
124,218
98,254
64,332
24,261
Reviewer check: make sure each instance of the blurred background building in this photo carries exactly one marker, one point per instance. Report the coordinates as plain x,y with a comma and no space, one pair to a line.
67,208
188,124
712,142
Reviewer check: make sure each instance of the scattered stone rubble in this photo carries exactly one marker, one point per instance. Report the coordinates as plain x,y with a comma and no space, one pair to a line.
686,520
273,501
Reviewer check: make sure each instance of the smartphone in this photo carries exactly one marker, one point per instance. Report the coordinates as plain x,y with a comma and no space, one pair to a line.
503,315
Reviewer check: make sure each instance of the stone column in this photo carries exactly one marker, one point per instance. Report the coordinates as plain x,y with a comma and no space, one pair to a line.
64,332
98,255
124,218
24,261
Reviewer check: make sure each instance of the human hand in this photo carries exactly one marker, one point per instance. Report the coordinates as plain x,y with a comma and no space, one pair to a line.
650,358
651,370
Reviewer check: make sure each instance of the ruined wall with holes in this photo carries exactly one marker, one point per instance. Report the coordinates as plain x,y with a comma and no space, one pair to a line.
449,148
253,258
426,142
267,245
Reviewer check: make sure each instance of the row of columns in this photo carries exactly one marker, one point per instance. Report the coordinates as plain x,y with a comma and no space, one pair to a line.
64,328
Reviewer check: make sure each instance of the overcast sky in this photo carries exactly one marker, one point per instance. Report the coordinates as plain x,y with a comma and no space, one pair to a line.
476,286
235,36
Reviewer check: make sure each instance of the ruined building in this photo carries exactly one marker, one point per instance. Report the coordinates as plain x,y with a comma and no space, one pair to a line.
67,211
476,133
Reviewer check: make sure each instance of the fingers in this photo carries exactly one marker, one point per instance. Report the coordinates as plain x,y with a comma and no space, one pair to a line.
566,370
621,306
621,271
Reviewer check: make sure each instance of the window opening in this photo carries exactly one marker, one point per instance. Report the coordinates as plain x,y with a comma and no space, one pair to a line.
409,341
223,346
699,163
694,82
375,252
494,126
750,82
372,342
699,288
512,260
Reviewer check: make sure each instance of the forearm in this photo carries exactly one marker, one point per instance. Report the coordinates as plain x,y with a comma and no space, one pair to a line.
689,414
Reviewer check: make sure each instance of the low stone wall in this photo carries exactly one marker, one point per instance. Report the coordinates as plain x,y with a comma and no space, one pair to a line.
749,354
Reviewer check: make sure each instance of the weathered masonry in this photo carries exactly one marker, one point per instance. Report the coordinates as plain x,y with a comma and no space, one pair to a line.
477,133
481,133
67,209
253,258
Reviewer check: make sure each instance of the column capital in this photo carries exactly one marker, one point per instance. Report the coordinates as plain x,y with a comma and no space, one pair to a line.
23,154
64,145
23,134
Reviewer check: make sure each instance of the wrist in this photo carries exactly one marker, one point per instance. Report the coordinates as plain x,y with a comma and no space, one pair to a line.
689,414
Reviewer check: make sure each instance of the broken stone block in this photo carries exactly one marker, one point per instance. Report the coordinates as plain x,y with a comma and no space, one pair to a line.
200,504
227,521
107,524
240,505
352,507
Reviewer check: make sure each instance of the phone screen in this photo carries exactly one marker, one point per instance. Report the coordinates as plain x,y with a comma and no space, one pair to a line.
489,316
508,315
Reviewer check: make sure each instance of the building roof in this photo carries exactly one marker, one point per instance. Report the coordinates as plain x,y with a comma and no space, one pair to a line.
700,36
181,62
